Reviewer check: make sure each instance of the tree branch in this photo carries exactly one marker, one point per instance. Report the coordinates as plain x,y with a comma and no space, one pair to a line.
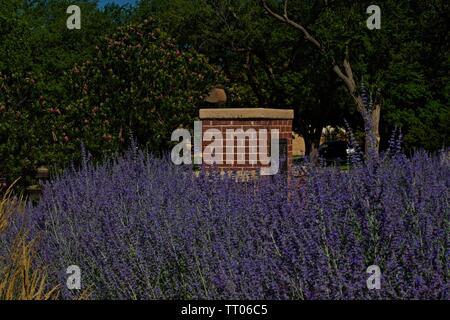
285,18
346,76
349,73
350,84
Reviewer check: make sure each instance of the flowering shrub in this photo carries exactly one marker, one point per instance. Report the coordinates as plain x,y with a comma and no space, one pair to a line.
137,82
142,228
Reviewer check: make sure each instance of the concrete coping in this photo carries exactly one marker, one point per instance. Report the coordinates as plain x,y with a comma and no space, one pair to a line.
246,113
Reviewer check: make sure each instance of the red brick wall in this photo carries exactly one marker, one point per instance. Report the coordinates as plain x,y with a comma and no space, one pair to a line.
285,132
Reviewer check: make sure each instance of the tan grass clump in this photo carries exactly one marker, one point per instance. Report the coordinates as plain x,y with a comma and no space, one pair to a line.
19,280
6,207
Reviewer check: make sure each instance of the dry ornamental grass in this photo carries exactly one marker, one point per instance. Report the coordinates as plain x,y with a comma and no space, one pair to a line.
18,279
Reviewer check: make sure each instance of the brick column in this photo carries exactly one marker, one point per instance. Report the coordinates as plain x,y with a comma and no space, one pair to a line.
250,118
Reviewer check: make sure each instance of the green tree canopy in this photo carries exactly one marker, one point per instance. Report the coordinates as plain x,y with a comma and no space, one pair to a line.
140,83
95,86
271,64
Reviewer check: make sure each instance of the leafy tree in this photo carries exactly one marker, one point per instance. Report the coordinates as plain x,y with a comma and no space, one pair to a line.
271,64
266,63
416,79
395,59
134,82
138,83
36,50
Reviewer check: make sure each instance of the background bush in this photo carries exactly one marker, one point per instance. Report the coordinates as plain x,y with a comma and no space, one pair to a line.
138,83
46,106
141,228
36,50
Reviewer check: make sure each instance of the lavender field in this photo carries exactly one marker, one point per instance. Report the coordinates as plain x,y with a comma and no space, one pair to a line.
141,228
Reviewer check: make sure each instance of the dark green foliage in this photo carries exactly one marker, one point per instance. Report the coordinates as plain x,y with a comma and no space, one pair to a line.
273,65
95,86
137,83
36,50
45,111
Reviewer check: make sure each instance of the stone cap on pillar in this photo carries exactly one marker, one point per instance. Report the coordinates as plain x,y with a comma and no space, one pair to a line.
246,113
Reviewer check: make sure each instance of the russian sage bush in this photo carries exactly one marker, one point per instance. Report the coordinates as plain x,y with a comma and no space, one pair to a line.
141,228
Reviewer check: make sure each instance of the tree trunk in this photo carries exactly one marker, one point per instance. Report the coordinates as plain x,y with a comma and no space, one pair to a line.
345,73
372,135
312,142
